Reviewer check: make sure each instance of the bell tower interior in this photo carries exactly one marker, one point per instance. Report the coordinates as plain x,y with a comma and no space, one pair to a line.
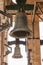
25,44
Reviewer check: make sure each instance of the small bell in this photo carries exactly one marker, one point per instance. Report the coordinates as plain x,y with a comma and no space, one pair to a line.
17,53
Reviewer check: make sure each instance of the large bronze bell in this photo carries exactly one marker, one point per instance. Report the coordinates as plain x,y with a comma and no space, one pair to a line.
21,29
17,53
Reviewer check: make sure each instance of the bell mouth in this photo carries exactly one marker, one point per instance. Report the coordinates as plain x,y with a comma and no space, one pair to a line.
19,56
20,34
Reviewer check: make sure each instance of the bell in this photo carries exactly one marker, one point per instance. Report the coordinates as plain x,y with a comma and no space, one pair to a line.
21,29
17,53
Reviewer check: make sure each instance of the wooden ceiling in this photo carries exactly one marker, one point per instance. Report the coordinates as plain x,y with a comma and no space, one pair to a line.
35,2
27,1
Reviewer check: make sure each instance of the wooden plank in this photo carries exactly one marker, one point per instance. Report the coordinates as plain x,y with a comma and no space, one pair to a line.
34,45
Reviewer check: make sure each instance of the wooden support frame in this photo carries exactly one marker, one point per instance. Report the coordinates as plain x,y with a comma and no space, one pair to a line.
35,13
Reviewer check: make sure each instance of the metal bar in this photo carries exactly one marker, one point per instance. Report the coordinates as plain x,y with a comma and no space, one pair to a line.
17,6
14,42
